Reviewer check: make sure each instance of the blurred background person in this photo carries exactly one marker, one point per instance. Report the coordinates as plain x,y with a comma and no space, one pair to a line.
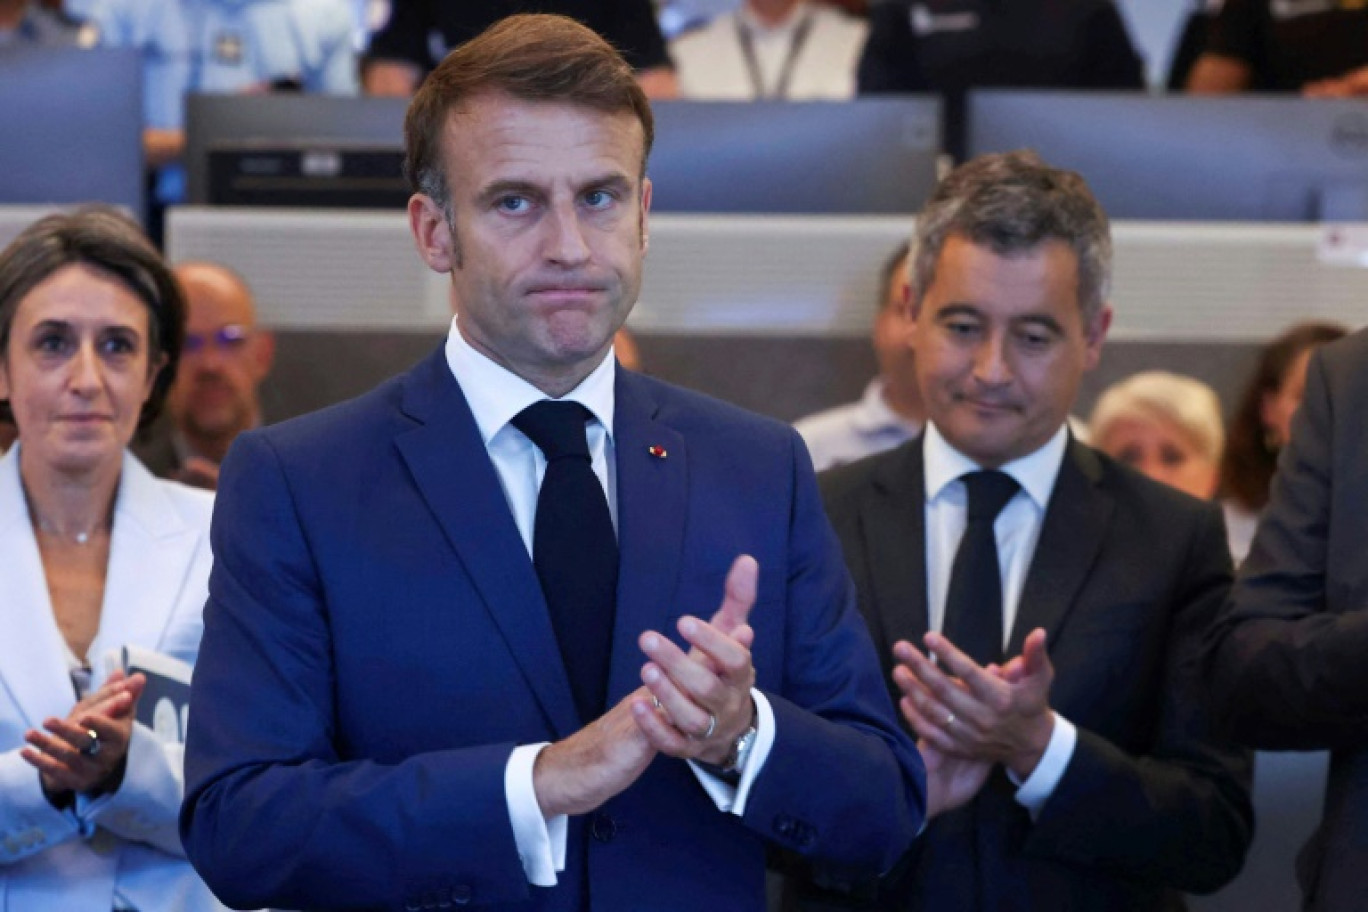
216,394
98,555
952,46
1165,426
1261,426
891,411
29,23
1317,47
786,49
250,46
419,33
1284,660
220,46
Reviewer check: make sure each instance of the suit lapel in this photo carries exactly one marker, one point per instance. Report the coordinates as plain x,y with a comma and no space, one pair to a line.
893,524
1076,522
652,500
32,664
456,478
138,604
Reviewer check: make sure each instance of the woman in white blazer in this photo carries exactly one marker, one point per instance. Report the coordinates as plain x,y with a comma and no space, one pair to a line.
97,554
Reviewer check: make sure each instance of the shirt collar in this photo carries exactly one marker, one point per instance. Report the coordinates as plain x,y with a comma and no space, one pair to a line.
495,394
1035,472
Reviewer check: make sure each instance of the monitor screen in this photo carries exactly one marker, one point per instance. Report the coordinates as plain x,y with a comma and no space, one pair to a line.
72,127
866,156
241,131
1183,158
863,156
325,176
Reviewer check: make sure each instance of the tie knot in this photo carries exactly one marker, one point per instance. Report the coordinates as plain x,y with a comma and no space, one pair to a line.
557,428
989,492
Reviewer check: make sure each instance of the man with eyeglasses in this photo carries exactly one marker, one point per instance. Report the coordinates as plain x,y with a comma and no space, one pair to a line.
224,359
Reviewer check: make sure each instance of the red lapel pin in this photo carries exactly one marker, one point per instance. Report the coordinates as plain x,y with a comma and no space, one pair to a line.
657,451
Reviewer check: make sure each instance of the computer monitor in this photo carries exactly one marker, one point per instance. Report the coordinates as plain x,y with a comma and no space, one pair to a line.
866,156
288,150
72,127
1281,159
318,175
862,156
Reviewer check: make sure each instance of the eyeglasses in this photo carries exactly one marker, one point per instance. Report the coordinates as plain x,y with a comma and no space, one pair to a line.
227,339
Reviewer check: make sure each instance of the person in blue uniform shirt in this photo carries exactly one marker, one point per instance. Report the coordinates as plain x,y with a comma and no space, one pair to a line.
222,46
25,23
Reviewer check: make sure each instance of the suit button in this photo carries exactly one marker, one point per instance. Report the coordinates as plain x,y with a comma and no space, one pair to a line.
461,894
412,905
783,825
603,827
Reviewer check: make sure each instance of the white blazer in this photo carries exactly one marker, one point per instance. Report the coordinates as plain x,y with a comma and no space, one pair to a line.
155,590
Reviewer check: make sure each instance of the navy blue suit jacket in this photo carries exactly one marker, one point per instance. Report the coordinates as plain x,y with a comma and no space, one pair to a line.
377,643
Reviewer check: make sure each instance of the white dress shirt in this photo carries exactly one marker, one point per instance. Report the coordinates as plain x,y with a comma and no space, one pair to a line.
819,47
855,430
1017,530
495,396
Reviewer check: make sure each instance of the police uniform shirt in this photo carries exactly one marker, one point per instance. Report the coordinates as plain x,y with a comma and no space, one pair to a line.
229,46
42,27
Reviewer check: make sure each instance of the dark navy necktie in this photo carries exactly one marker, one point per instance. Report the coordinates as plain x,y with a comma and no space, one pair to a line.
973,605
574,549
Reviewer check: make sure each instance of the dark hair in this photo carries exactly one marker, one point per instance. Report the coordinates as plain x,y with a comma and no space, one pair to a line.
534,57
1250,459
1011,202
103,239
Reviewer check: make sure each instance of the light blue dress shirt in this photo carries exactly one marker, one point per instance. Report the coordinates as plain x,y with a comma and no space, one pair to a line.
227,46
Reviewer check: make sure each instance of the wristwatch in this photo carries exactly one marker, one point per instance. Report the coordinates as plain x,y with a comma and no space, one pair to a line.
740,751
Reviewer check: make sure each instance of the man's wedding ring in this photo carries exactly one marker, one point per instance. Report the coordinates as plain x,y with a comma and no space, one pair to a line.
712,727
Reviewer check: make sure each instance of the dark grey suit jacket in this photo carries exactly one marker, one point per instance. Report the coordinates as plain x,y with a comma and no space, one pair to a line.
1126,578
1289,657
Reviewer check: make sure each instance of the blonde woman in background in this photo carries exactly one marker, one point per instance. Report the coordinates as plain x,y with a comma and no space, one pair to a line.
1165,426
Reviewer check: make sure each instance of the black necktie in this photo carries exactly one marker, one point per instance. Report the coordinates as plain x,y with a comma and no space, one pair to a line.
973,606
574,549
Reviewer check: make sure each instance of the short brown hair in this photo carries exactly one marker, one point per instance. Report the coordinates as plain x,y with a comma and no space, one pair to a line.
1011,202
535,57
110,242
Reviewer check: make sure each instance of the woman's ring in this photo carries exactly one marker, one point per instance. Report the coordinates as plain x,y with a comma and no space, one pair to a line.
91,747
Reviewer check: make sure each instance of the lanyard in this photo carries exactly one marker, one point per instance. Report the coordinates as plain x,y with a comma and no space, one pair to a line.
796,41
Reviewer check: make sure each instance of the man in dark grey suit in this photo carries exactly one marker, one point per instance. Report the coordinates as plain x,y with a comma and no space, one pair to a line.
1289,655
1058,703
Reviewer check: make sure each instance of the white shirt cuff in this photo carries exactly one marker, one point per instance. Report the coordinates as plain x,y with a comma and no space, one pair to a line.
729,798
1040,785
540,842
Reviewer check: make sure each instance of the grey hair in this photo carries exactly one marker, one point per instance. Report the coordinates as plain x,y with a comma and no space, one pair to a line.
1012,202
1190,405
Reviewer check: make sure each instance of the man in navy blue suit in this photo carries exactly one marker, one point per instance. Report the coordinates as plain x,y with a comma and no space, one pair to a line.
390,713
